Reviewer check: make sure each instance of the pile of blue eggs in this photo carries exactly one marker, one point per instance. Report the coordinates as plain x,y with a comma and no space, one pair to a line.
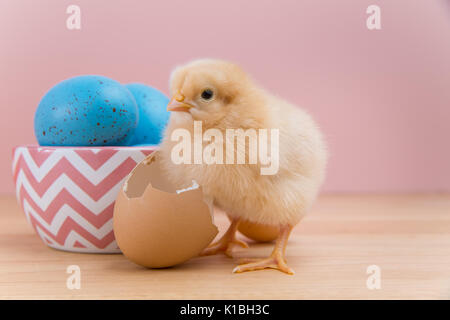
98,111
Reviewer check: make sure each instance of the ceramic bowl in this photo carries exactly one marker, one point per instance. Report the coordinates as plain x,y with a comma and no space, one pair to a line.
68,193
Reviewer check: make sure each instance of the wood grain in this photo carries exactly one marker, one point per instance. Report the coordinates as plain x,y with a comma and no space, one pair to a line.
407,236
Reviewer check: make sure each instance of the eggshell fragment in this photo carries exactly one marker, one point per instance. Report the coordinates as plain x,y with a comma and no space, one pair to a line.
157,227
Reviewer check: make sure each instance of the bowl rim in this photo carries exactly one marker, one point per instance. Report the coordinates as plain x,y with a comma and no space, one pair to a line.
51,148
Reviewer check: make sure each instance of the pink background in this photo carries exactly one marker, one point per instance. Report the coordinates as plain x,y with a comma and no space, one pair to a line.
381,97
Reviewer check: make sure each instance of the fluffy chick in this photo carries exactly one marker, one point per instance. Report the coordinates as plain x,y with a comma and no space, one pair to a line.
222,96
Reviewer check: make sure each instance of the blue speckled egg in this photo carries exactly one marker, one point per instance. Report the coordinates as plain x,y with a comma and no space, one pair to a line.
86,111
153,114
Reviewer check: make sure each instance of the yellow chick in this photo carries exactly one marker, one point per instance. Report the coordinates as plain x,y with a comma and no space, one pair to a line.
219,95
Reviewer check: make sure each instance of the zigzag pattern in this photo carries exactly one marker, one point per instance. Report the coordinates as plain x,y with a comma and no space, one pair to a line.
68,194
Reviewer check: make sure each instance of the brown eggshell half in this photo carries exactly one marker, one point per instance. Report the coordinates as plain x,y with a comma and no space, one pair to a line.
154,226
258,232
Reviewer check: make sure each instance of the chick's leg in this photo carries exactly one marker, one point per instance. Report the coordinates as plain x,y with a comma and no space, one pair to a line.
226,242
276,259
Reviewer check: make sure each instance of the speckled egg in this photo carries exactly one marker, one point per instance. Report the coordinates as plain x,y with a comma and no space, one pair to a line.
86,111
153,114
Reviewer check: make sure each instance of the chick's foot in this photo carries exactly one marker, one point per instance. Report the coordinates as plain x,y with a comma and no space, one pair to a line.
272,262
226,243
275,261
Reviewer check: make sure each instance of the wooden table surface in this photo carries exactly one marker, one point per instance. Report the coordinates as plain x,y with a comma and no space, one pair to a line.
407,237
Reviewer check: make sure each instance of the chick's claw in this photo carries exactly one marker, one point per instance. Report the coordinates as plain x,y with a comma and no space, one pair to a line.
226,243
273,262
250,260
225,246
276,260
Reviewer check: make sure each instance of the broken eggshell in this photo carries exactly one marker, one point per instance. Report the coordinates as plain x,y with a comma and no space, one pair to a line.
155,226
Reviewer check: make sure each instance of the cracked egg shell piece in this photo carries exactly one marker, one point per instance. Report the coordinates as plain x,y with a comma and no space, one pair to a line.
154,226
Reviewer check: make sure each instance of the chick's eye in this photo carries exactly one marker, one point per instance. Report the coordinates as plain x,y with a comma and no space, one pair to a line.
207,94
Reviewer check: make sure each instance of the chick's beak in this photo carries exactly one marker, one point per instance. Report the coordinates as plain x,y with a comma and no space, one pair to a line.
177,103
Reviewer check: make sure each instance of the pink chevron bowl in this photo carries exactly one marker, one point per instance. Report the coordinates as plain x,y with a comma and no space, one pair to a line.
68,193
